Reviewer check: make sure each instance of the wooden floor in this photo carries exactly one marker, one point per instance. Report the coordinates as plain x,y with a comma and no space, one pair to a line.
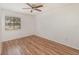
34,45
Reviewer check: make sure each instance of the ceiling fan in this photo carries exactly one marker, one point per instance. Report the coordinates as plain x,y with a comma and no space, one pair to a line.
34,6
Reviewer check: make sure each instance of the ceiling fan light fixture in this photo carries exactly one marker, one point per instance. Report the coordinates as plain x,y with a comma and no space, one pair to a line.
34,6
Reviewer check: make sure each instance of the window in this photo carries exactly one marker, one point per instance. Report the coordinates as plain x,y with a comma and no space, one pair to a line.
12,23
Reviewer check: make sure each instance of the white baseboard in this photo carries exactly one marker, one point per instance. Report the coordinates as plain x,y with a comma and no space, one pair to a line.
4,40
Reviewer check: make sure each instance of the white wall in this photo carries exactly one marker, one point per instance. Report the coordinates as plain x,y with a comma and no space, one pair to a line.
27,26
60,24
0,26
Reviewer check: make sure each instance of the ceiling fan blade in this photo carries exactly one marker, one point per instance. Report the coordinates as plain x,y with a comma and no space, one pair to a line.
38,10
29,4
26,8
38,6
